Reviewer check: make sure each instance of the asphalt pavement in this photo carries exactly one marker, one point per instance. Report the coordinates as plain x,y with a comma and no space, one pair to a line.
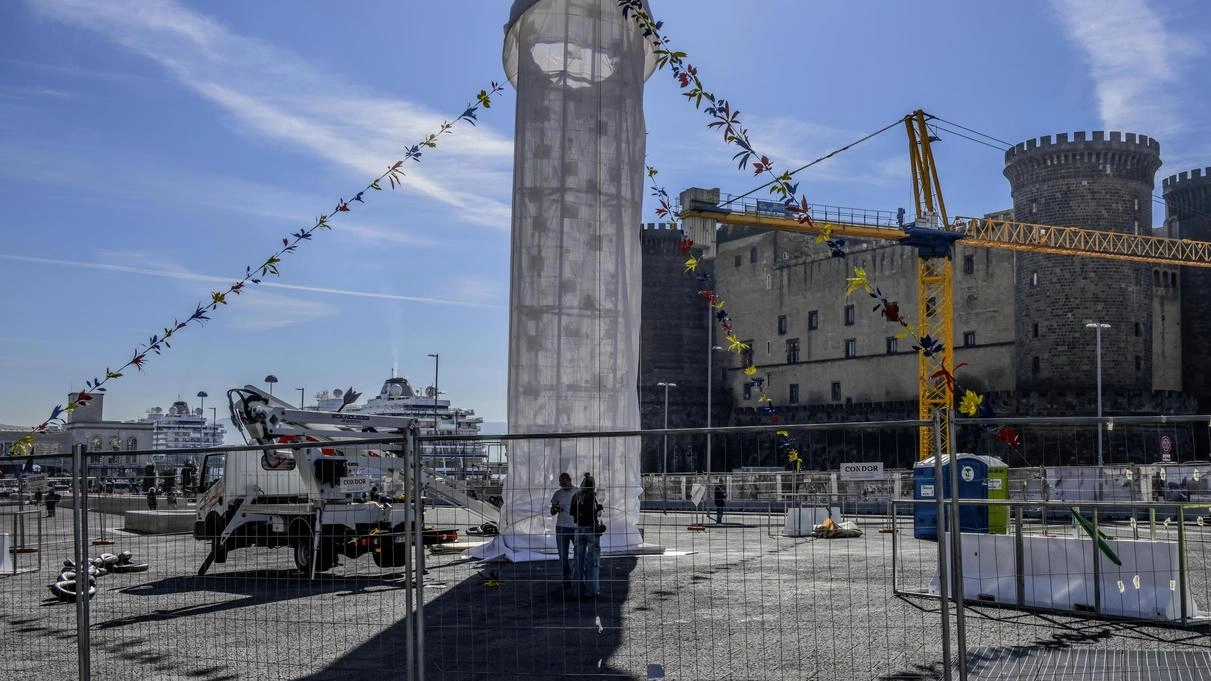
732,602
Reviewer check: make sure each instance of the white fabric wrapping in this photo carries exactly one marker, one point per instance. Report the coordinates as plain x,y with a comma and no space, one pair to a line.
579,68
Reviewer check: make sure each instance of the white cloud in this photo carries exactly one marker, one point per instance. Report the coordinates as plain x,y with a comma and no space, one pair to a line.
267,91
146,179
1134,60
176,272
263,311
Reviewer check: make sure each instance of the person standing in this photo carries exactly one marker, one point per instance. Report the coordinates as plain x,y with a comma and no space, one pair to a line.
52,500
586,569
720,500
152,501
565,525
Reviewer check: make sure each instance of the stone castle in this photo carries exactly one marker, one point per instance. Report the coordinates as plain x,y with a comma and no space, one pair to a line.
1019,318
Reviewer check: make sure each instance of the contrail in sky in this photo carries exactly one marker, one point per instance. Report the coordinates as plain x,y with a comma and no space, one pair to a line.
191,276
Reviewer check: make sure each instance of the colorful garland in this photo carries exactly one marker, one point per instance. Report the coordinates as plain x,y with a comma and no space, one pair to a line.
158,342
727,120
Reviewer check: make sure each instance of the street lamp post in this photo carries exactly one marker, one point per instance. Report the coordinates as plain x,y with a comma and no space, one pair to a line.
436,365
202,396
710,370
302,396
664,482
271,379
1097,327
214,423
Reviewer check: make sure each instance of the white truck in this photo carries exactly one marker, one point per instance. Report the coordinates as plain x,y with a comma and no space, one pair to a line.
323,501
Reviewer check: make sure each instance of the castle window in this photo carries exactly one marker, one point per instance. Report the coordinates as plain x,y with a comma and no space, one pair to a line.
1156,278
748,390
1175,280
969,339
782,325
752,254
849,315
1139,329
792,351
813,320
736,260
893,345
1036,329
1139,363
836,391
969,264
1034,365
851,347
1034,279
793,398
131,444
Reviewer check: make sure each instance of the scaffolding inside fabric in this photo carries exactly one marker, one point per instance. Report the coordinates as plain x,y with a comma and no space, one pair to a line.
579,68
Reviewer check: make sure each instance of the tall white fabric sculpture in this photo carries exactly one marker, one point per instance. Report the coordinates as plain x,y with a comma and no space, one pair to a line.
579,67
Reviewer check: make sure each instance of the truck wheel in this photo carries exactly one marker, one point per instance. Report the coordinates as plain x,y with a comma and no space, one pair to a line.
390,553
303,545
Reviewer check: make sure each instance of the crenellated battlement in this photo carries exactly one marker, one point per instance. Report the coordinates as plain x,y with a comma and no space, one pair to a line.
1098,140
657,230
1198,177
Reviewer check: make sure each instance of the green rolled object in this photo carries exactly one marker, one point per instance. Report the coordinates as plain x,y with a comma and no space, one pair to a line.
1097,535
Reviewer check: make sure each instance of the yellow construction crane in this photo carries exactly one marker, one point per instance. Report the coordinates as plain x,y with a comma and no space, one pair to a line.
933,235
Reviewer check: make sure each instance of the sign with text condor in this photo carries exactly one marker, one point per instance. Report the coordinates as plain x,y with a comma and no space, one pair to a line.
862,470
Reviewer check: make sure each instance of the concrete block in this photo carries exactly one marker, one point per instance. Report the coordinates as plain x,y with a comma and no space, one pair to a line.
159,522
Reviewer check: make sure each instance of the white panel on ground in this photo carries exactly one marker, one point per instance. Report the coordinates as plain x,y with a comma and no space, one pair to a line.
6,555
1058,574
800,521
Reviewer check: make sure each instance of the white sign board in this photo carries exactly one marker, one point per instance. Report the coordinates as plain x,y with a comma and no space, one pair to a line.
355,484
36,482
869,470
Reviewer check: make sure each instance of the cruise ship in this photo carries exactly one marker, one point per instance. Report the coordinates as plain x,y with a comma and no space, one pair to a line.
435,416
181,428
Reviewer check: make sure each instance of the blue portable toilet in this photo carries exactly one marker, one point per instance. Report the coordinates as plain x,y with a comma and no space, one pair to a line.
977,474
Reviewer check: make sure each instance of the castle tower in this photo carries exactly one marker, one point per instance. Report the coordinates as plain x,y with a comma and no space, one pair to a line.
1188,208
1103,181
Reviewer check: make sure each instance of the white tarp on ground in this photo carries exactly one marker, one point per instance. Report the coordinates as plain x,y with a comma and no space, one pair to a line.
1057,573
579,69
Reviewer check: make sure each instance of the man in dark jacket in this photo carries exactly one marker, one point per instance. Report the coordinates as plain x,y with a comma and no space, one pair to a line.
720,501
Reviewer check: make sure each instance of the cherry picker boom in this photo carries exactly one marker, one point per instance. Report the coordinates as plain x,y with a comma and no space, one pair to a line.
335,497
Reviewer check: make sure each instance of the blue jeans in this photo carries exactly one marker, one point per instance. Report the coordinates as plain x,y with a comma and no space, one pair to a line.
587,568
563,541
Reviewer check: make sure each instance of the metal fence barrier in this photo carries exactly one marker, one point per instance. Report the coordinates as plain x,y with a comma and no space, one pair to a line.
752,588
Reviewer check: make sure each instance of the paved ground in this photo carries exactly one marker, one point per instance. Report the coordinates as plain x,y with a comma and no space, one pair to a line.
736,602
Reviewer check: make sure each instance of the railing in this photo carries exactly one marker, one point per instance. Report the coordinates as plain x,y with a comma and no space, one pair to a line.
754,578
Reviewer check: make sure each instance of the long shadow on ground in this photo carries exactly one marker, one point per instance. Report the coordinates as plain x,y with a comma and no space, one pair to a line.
258,587
524,628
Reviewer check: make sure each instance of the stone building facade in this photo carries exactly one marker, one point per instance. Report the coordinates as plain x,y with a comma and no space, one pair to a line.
1019,317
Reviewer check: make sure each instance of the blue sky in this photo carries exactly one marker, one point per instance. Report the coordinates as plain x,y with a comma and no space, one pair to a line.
154,149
